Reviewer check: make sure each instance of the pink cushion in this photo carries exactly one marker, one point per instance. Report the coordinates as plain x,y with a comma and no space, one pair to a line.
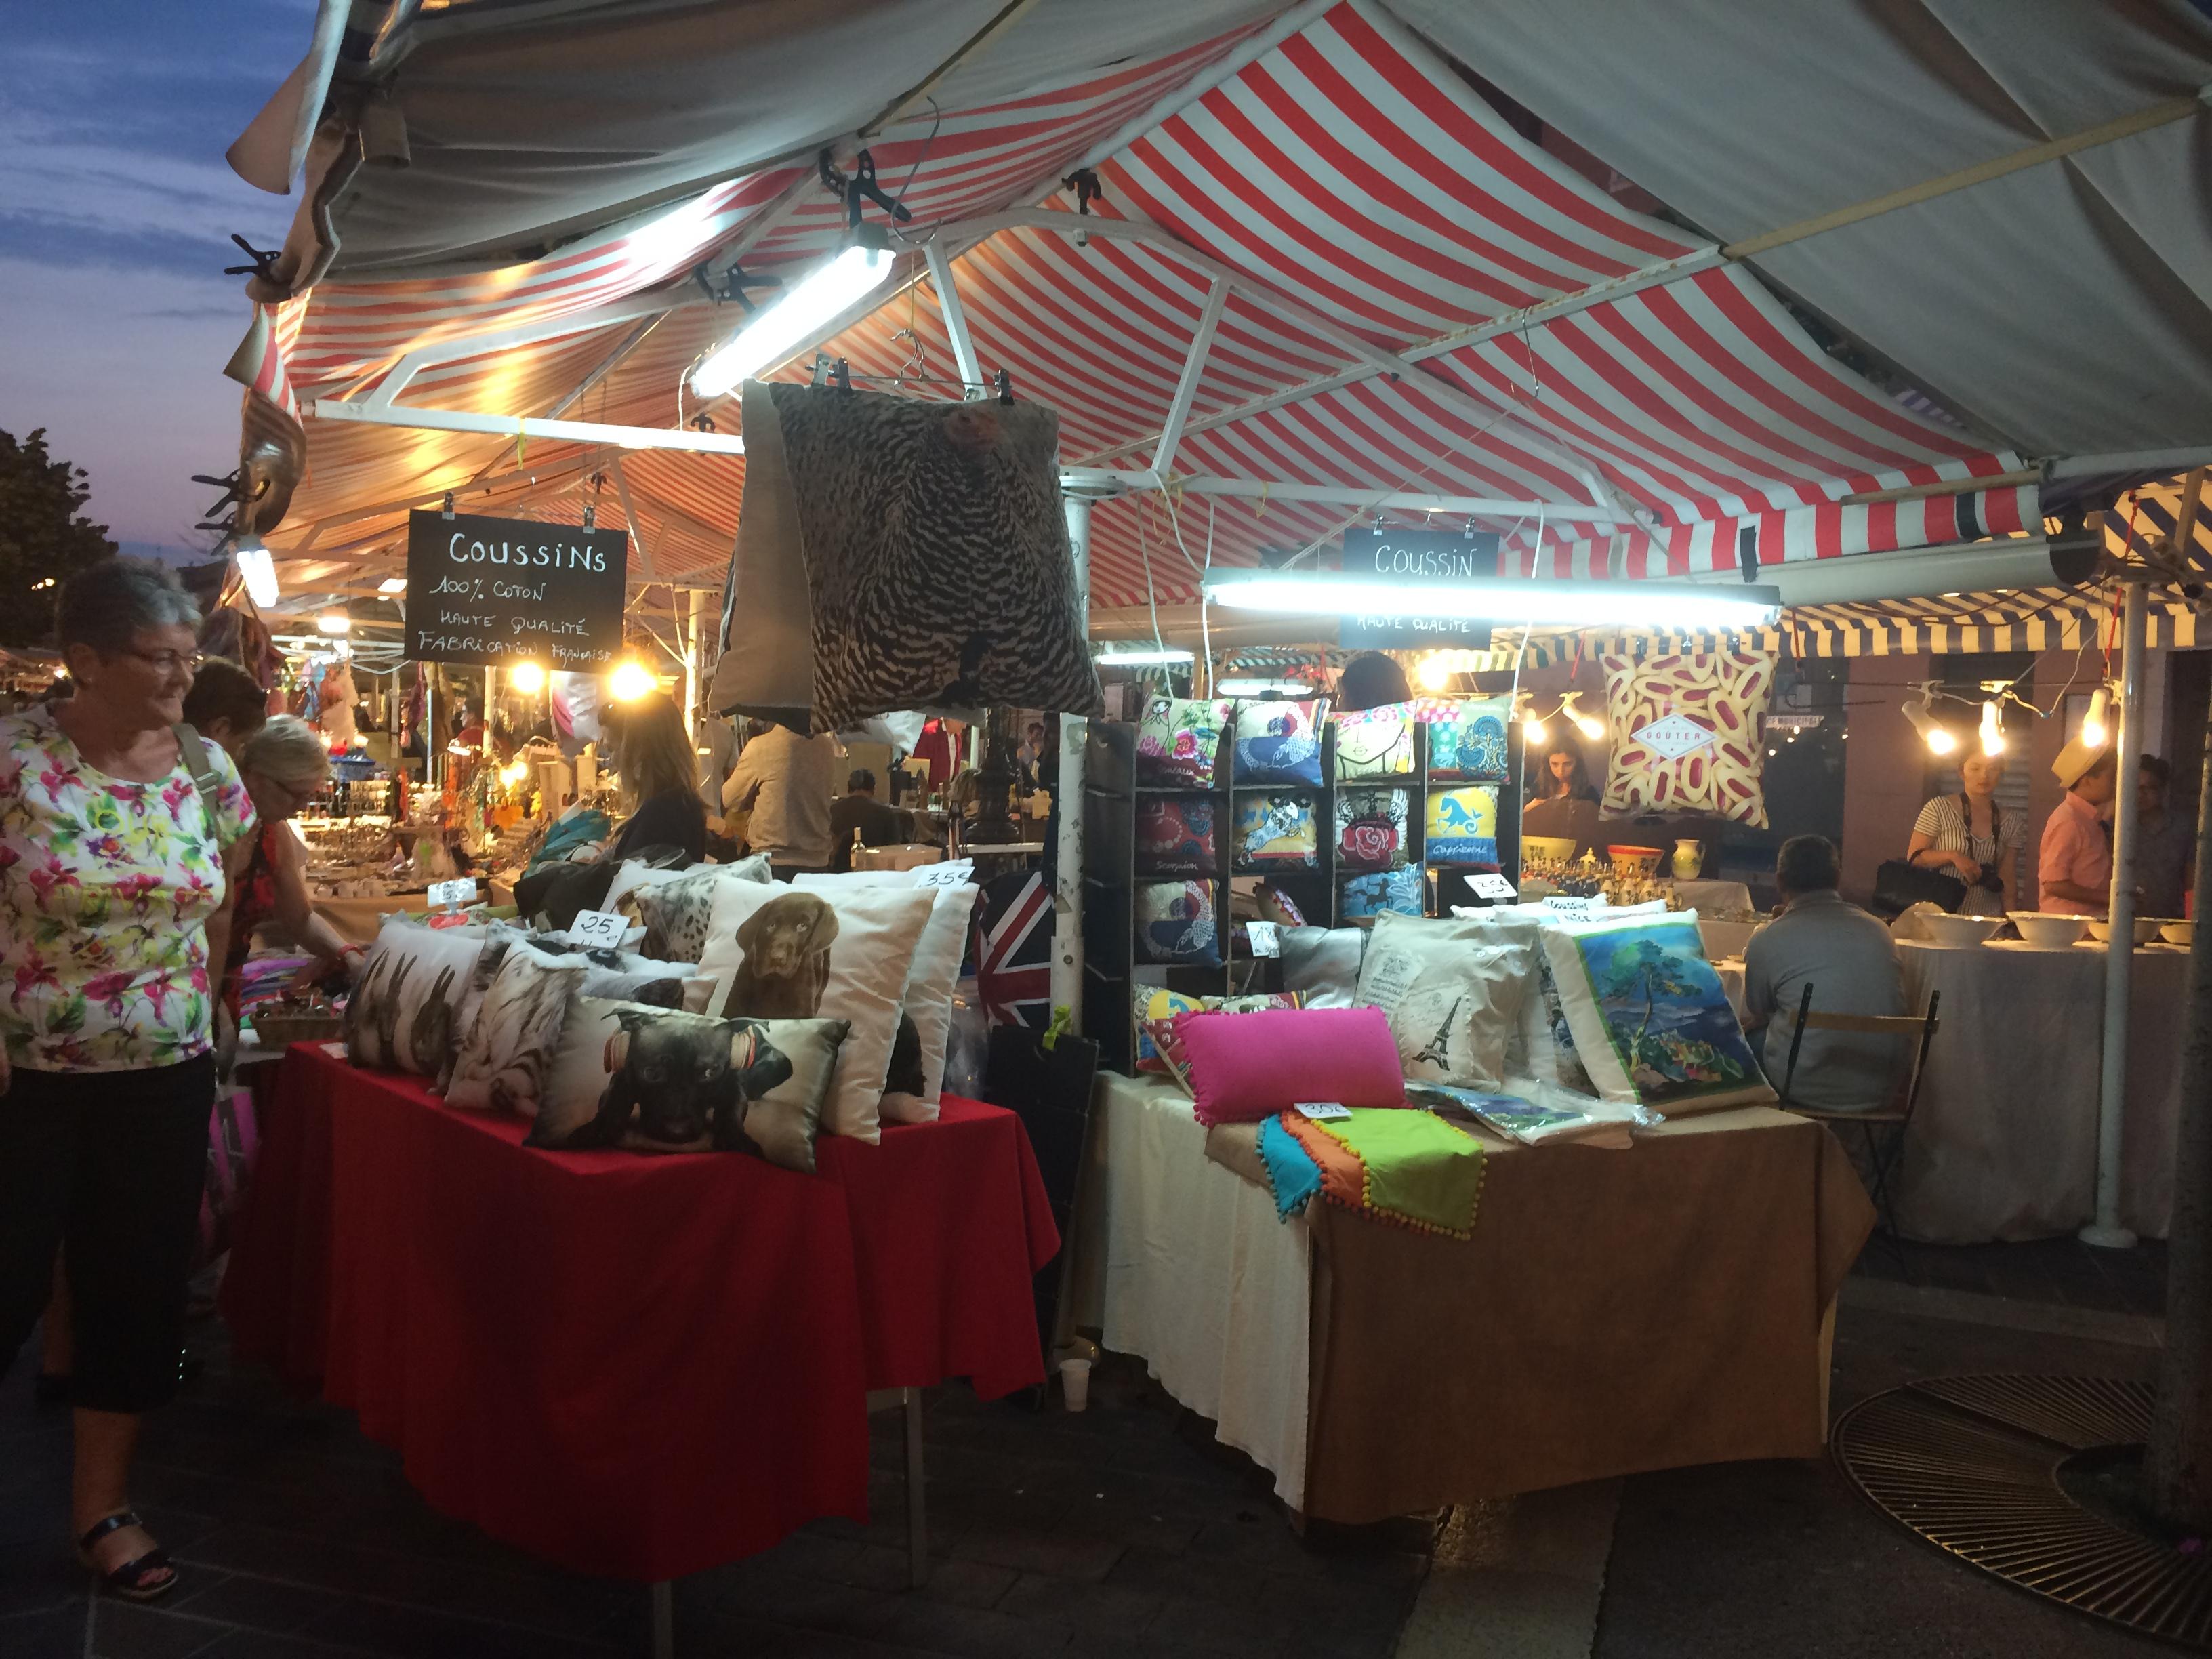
1245,1068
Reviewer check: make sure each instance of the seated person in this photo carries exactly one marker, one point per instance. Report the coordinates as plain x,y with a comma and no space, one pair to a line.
858,809
659,778
1847,958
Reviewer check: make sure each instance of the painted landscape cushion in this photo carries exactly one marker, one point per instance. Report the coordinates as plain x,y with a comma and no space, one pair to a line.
1686,733
1652,1025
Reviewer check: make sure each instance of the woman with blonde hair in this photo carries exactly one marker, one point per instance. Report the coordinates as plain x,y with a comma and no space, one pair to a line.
660,781
285,766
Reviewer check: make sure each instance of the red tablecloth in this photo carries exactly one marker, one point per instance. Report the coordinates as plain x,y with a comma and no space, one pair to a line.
631,1365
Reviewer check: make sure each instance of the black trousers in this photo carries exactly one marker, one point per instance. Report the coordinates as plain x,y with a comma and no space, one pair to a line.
113,1164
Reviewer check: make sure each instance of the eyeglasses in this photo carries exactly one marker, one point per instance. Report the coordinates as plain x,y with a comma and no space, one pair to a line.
169,662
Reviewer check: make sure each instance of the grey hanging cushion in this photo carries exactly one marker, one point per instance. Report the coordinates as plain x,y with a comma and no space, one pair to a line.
938,568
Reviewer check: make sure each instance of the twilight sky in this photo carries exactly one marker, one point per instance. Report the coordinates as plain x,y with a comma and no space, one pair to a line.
116,209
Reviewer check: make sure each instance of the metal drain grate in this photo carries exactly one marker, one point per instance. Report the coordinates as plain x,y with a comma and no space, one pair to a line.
1971,1464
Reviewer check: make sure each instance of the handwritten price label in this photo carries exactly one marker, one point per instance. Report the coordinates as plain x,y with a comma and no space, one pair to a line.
601,929
1322,1111
945,875
1491,885
453,893
1266,941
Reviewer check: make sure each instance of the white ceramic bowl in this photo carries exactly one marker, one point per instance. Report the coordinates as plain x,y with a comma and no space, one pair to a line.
2179,933
2047,930
2146,929
1944,929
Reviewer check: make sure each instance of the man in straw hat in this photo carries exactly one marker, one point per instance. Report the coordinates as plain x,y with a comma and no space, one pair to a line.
2075,864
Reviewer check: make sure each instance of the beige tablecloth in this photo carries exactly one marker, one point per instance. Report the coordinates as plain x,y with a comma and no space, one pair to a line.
1615,1311
2004,1143
357,918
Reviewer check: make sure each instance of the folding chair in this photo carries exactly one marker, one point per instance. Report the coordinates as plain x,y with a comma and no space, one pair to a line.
1882,1151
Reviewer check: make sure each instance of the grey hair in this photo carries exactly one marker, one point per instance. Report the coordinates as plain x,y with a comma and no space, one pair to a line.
289,750
106,605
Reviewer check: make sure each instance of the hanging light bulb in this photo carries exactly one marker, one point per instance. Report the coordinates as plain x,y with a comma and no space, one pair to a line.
1589,724
631,680
1532,725
1921,713
1432,674
2094,732
527,677
1993,741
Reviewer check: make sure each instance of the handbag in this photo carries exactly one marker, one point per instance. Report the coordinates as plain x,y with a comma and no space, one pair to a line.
1899,883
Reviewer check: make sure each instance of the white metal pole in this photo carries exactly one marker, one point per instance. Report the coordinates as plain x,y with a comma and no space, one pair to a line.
1074,736
2119,954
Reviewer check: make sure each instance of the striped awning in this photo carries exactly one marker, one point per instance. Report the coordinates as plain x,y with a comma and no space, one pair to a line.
1382,231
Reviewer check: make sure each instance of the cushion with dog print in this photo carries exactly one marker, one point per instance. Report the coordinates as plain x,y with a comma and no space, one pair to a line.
501,1064
403,1014
927,1000
675,904
780,952
659,1081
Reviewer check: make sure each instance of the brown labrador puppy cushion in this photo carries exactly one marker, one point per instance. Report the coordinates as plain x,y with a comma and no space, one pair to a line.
776,953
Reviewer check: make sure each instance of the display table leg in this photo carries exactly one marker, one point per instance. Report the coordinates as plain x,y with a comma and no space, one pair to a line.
917,1521
664,1620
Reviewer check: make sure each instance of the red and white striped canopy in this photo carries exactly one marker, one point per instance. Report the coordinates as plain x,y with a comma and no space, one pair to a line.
1380,225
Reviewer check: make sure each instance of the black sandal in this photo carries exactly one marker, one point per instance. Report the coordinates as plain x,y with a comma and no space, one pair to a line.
131,1579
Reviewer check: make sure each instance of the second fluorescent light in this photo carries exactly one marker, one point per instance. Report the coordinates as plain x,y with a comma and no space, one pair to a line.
1134,656
1536,603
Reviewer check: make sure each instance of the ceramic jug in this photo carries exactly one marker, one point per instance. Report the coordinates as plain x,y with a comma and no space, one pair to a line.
1689,858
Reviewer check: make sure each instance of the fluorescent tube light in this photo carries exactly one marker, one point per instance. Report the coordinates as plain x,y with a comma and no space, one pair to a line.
259,569
797,317
334,622
1254,687
1538,603
392,584
1147,656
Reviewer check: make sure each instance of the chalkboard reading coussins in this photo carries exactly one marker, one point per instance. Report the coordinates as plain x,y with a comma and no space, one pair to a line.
494,592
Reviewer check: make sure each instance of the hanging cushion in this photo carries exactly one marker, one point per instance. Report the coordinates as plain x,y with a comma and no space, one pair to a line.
1245,1067
1176,923
503,1061
1175,836
405,1012
1275,832
1280,742
842,953
1686,733
939,572
1466,737
1372,828
926,1002
1374,743
1178,741
1400,890
1652,1025
657,1081
1462,825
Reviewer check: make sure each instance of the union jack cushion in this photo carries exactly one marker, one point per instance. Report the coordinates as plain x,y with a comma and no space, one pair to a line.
1013,950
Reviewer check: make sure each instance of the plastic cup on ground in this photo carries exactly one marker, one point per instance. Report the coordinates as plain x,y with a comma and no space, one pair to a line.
1075,1383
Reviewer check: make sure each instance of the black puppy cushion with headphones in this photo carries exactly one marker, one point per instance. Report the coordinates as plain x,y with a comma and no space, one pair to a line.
654,1080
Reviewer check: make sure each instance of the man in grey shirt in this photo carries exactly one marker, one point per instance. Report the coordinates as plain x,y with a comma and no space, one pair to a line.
2165,842
783,779
1847,958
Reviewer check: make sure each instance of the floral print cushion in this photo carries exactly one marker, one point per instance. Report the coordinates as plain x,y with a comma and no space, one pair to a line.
1462,825
1175,836
1276,832
1371,827
1176,923
1466,737
1178,739
1280,742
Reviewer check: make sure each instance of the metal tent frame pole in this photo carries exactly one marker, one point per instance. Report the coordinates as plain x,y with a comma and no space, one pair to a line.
2106,1230
1074,738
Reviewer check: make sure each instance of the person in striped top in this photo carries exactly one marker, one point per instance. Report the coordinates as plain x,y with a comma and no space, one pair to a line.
1968,836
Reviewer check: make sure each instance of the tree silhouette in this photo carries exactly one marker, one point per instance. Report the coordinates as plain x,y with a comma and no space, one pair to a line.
1651,972
44,539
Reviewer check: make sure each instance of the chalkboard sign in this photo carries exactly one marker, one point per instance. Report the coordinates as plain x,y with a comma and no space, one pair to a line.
496,592
1415,558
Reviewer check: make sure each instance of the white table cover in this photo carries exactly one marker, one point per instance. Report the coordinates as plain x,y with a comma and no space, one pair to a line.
1182,1263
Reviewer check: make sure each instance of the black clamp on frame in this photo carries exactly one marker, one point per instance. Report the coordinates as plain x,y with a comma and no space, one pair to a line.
859,189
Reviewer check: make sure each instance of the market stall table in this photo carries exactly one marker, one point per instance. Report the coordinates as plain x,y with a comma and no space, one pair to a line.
633,1366
1614,1311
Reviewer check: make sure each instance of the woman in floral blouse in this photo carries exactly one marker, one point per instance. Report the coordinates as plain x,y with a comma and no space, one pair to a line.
113,847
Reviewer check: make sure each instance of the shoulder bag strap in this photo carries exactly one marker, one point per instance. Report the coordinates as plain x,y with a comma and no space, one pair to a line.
191,751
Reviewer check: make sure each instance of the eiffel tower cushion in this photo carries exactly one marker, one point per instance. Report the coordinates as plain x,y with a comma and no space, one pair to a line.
1454,1004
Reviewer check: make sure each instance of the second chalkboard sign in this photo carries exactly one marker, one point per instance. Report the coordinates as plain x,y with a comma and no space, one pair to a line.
497,591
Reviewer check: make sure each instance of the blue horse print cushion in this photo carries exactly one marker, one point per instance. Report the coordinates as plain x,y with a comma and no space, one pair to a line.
654,1080
1280,742
1652,1025
1398,892
1276,832
1176,923
1466,738
1462,825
